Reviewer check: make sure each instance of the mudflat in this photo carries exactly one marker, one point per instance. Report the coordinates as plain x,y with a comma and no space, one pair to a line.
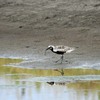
28,27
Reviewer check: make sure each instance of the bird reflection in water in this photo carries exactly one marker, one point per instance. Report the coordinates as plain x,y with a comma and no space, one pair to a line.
57,83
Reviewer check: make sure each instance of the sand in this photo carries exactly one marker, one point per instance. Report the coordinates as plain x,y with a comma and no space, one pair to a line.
27,27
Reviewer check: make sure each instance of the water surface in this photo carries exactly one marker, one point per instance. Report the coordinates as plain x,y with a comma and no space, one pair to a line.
42,84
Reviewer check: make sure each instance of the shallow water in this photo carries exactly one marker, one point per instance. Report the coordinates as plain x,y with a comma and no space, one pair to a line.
42,84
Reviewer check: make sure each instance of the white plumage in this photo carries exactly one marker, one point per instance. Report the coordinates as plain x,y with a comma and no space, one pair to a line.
60,49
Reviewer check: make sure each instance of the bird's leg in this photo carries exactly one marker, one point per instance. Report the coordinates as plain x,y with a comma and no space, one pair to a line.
60,59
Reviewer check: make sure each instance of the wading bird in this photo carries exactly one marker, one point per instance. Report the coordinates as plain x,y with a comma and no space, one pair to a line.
60,49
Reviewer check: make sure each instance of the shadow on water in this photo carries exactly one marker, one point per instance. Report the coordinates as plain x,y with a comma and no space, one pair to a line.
29,84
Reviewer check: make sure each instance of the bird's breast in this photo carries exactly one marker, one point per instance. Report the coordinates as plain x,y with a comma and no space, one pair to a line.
60,52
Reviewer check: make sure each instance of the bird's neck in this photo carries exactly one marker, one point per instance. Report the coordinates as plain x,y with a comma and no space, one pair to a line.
52,50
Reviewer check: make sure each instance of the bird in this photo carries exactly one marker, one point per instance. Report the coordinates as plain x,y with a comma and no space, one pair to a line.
60,50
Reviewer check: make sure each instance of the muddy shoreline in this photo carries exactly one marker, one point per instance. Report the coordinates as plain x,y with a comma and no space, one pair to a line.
27,28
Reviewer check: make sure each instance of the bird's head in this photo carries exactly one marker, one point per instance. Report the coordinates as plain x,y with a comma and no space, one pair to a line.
50,47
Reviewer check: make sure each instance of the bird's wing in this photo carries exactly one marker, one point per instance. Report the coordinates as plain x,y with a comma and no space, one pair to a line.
60,48
69,49
63,48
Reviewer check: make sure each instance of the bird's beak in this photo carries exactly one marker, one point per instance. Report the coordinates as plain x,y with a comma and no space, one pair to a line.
46,50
